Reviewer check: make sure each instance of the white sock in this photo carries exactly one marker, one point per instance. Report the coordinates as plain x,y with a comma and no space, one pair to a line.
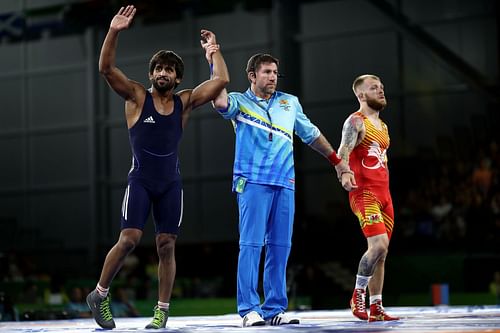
375,298
103,292
362,281
163,306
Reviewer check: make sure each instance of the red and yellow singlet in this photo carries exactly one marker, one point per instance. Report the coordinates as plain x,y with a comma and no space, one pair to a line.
371,202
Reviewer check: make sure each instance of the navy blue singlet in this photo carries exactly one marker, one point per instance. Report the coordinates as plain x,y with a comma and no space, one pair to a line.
154,140
154,180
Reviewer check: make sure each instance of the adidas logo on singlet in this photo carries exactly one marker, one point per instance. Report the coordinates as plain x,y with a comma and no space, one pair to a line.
149,120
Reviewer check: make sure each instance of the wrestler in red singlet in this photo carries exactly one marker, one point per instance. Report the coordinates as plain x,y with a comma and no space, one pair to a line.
371,202
365,140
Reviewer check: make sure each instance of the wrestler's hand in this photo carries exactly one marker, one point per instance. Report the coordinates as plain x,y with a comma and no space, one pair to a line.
345,176
122,20
348,181
210,49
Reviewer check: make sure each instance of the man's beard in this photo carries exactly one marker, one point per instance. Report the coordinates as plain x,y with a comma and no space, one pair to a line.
376,105
161,88
269,90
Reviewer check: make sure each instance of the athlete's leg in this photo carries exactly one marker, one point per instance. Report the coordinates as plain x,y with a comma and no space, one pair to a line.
254,204
165,247
366,207
167,213
377,250
128,240
372,262
135,210
278,243
375,286
376,283
377,312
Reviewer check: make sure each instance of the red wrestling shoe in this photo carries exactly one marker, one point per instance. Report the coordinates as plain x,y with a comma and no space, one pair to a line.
377,313
357,303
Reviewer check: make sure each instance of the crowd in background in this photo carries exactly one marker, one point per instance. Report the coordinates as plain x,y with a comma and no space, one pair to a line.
455,204
28,292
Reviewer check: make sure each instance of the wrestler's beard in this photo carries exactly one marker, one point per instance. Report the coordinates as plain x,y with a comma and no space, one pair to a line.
376,105
162,89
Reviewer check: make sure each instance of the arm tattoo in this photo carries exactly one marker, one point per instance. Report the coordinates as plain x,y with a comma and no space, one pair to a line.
350,133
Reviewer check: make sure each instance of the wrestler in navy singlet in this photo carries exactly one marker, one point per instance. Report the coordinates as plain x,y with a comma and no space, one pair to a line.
154,178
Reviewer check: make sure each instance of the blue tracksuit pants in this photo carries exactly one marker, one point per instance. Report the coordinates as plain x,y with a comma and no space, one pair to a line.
266,218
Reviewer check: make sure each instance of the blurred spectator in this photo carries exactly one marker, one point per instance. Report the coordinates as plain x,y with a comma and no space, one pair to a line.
55,294
30,293
152,268
495,203
130,266
442,208
494,154
121,306
495,286
14,272
495,234
453,204
8,311
76,306
482,176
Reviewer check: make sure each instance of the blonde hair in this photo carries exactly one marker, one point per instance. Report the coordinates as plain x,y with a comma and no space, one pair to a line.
361,79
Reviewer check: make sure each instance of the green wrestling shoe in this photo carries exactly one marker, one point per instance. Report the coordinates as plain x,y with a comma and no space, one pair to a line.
101,310
160,318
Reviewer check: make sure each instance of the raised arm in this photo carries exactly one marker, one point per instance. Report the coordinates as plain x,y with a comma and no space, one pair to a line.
219,77
220,102
221,99
115,77
344,173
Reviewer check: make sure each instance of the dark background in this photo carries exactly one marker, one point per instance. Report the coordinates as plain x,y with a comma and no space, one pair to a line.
65,152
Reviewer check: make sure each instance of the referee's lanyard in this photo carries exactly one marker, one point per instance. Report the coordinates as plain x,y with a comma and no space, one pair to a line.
266,109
